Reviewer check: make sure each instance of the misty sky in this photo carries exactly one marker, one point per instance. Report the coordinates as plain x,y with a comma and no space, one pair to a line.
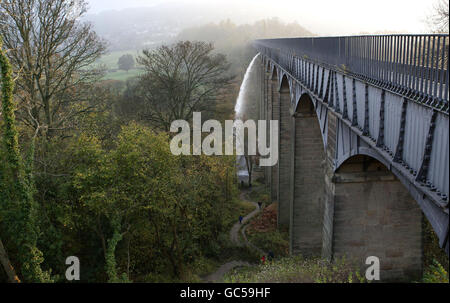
324,17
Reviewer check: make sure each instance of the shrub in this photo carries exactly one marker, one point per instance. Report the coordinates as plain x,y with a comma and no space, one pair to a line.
274,241
299,270
435,273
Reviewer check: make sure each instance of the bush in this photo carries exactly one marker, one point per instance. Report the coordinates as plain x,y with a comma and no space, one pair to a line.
275,241
298,270
127,205
259,193
432,251
435,274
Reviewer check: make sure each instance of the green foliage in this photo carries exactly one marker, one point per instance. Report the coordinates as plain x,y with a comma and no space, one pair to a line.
435,273
275,241
172,209
298,270
432,251
110,258
10,135
259,193
17,206
238,207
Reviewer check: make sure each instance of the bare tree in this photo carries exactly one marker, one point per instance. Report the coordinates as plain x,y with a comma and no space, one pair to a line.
438,20
179,80
52,53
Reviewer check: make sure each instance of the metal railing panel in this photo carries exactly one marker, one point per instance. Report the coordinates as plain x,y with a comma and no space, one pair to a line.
413,65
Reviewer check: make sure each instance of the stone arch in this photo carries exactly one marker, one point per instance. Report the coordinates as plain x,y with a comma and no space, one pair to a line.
284,153
375,215
308,186
267,66
274,73
285,85
305,101
360,151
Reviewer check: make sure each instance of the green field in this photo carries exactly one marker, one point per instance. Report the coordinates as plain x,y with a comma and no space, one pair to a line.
122,75
110,61
111,58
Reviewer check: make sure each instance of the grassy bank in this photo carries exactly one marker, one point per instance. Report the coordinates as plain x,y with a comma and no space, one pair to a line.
297,270
122,75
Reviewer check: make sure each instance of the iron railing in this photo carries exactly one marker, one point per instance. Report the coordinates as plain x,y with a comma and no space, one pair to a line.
413,65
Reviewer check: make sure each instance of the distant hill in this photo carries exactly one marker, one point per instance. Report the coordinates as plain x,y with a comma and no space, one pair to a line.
234,40
226,32
137,28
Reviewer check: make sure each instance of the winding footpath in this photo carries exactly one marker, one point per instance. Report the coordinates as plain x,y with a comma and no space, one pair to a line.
218,275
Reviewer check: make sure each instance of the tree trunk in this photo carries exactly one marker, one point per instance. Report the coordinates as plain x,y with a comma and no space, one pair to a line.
9,269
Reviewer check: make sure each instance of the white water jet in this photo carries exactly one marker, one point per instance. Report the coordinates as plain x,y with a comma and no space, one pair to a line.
241,97
242,172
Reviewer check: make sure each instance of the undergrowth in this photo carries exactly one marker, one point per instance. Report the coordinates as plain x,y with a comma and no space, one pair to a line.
297,269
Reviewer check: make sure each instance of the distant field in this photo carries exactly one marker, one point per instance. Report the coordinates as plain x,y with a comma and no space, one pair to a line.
111,59
122,75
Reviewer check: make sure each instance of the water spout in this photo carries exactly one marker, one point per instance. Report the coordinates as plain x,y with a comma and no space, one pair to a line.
240,112
242,91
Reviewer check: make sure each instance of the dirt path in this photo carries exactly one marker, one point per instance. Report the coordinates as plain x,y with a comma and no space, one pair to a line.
234,236
217,276
234,232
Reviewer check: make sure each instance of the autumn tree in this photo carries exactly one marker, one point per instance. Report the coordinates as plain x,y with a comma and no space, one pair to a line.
51,52
126,62
138,192
180,79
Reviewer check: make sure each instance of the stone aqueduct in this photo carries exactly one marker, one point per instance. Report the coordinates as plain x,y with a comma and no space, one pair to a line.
363,145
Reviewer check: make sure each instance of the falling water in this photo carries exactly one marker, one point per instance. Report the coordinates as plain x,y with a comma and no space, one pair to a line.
242,172
241,97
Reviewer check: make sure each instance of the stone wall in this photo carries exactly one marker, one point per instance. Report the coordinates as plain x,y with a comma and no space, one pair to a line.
275,106
284,162
374,215
308,195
